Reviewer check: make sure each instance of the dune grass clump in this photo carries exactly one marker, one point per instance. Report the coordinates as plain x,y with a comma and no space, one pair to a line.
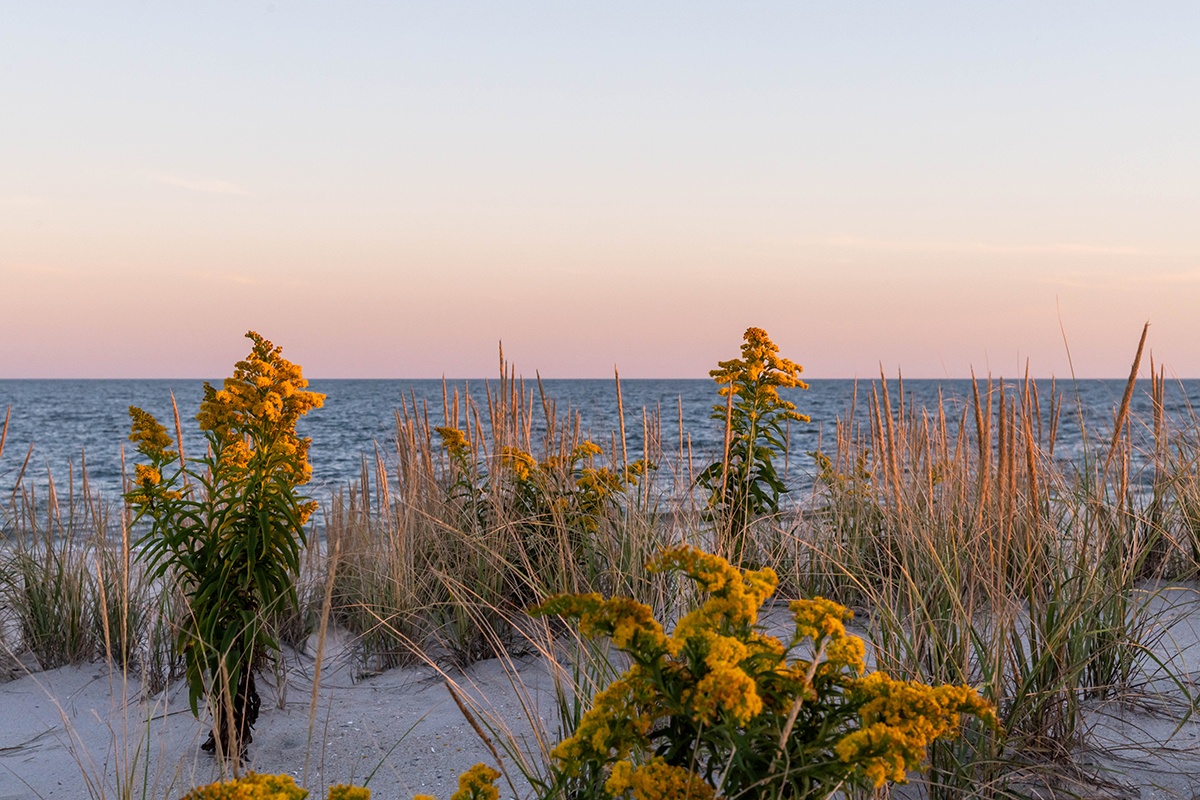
479,518
68,579
983,557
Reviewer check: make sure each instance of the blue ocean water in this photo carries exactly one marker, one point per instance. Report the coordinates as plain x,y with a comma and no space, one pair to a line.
61,424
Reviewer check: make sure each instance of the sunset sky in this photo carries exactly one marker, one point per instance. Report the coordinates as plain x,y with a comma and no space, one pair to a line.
390,189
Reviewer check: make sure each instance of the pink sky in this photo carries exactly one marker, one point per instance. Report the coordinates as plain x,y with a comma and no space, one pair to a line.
390,192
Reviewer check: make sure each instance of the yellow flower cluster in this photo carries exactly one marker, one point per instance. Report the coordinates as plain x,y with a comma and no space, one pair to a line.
720,632
735,596
477,783
454,441
566,487
259,407
656,780
599,481
762,369
150,436
718,635
236,455
147,486
518,461
146,476
588,449
718,675
627,622
344,792
899,721
824,621
618,722
252,786
596,486
725,688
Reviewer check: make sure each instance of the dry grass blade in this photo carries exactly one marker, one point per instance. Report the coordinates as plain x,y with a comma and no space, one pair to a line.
4,430
1123,410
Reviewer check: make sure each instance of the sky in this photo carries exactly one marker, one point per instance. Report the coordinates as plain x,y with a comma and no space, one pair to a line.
391,190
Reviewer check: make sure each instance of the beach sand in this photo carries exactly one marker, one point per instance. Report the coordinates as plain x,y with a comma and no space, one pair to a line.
70,732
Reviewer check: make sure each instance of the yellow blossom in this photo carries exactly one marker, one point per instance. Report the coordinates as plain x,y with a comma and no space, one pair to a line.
236,455
251,786
725,651
718,675
146,476
735,599
305,510
151,437
453,440
726,689
629,623
521,463
477,783
657,780
761,366
344,792
263,400
586,449
824,621
899,721
618,721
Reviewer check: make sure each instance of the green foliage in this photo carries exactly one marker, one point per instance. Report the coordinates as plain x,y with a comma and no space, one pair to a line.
229,526
744,484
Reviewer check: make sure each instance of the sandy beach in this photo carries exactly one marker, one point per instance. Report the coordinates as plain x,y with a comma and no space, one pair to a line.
78,732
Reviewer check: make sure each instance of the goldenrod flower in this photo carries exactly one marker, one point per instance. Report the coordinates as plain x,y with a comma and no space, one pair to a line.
454,440
760,365
618,721
900,719
735,596
882,753
719,687
146,476
727,689
236,455
630,624
477,783
151,437
744,484
657,780
586,449
251,786
262,401
305,510
521,463
344,792
236,531
825,621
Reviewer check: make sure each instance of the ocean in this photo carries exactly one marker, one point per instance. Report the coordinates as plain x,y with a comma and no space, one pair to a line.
63,424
